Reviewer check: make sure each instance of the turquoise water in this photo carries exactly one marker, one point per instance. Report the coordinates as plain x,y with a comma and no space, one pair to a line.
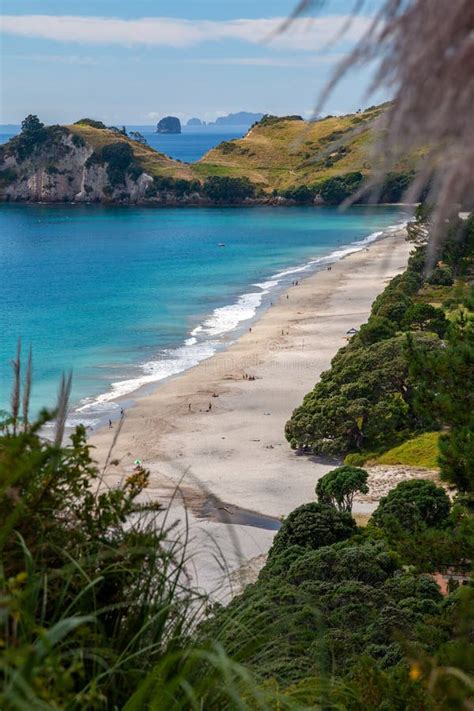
128,296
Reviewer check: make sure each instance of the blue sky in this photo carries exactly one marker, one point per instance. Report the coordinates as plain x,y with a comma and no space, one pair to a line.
132,61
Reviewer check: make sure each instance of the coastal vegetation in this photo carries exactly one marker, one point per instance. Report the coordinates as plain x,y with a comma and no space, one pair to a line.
379,391
97,609
281,160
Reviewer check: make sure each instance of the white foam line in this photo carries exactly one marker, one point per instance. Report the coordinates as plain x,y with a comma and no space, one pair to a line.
202,343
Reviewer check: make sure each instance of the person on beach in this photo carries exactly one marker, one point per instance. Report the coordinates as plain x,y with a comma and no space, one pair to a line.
110,424
189,407
209,407
122,412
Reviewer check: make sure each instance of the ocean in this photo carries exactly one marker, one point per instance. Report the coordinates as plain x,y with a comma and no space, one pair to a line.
125,297
188,146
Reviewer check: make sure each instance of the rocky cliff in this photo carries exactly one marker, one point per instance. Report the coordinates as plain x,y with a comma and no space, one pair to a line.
169,124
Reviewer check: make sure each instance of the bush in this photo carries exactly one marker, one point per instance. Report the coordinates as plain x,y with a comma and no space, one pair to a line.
335,190
120,161
441,276
90,122
338,487
87,574
362,403
312,526
413,504
228,190
33,135
376,329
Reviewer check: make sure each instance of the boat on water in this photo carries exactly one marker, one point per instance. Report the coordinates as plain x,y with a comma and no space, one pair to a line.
221,244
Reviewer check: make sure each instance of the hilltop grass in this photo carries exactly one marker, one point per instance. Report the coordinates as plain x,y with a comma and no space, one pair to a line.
153,162
422,451
275,154
286,152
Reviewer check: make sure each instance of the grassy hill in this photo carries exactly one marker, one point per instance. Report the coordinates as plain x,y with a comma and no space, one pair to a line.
279,158
152,162
278,153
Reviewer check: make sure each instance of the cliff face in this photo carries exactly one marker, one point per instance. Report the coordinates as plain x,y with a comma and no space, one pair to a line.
64,168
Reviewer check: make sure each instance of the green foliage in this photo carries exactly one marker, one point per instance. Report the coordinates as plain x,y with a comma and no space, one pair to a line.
425,317
7,177
313,616
335,190
313,525
178,187
412,505
338,487
444,389
301,194
120,161
395,186
32,137
442,276
270,120
228,190
89,578
378,328
90,122
363,402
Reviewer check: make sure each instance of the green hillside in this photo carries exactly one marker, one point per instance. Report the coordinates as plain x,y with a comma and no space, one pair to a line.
279,153
152,162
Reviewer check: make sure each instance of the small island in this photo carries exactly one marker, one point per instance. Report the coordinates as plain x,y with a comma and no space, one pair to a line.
169,124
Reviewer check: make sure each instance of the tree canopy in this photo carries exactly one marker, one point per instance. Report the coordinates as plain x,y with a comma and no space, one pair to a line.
338,487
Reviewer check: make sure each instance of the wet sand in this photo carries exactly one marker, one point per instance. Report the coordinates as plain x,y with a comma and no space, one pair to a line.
217,430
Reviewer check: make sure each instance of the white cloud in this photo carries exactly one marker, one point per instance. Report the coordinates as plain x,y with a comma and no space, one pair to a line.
303,34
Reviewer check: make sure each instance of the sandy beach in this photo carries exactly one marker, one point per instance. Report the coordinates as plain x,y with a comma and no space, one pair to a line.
218,428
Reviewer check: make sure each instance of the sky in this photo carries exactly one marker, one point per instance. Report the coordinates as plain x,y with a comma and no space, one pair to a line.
134,61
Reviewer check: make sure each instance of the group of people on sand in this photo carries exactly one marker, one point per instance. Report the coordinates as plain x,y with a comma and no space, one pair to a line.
246,376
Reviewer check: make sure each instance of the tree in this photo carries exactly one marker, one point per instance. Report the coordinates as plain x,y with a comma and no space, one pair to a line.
441,276
412,505
313,525
31,125
444,389
338,487
364,401
33,135
377,328
228,190
425,317
120,160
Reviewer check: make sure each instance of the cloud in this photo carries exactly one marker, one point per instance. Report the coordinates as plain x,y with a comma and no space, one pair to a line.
303,34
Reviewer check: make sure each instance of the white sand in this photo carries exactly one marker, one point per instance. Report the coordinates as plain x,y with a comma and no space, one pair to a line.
238,450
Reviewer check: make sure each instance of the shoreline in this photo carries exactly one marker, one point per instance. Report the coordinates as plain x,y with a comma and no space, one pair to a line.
124,391
215,433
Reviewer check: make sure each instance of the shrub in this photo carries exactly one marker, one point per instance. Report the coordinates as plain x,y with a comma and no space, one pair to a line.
120,161
441,276
412,504
228,190
312,526
90,122
338,487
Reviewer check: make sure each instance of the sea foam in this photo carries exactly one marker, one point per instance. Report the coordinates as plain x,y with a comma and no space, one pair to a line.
206,338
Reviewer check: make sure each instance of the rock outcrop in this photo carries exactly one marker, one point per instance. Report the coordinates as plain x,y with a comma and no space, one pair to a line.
169,124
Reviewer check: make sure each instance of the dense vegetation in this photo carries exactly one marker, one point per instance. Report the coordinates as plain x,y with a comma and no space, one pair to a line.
380,389
96,612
